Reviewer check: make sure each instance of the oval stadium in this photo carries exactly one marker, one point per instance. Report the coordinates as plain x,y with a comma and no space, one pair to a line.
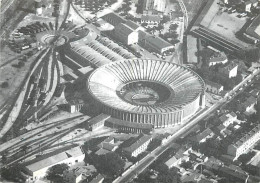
147,91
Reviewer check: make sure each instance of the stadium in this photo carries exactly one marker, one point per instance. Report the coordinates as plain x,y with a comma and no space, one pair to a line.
147,91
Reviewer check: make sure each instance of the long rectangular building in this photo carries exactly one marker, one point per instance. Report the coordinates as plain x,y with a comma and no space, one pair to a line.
242,145
139,146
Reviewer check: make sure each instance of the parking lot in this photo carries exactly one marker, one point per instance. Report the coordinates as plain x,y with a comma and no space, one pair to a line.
223,22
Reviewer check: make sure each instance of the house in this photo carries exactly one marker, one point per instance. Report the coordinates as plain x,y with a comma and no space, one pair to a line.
229,70
254,93
151,20
139,146
228,119
126,34
106,146
98,179
154,43
180,156
72,176
254,3
213,87
203,136
221,128
248,104
242,145
247,6
173,161
96,122
38,169
220,58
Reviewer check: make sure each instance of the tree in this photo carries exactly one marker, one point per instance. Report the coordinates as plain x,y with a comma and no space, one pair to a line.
110,164
173,27
159,27
165,19
144,24
13,173
55,173
169,176
4,84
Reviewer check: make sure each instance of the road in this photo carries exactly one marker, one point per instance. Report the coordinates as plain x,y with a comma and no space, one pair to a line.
148,160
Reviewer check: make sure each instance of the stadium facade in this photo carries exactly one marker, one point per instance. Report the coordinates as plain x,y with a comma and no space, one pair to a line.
147,91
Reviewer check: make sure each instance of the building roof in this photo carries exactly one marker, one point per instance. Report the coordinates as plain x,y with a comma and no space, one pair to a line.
230,66
53,160
97,179
76,101
247,136
132,24
154,40
130,124
249,101
213,84
203,134
99,118
139,142
102,151
185,84
124,28
254,1
254,28
113,19
221,127
153,18
220,58
171,161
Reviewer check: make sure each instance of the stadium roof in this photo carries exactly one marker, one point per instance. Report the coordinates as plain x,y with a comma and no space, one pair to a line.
184,85
130,124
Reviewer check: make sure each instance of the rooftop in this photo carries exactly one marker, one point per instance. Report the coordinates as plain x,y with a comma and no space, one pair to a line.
132,24
203,135
139,142
213,84
220,58
154,18
100,117
230,66
97,179
154,40
247,136
171,161
254,28
124,28
53,160
113,19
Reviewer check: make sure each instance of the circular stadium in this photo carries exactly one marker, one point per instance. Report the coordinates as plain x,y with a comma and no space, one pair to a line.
147,91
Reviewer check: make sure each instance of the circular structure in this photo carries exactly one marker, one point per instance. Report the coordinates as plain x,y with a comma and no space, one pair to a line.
147,91
50,38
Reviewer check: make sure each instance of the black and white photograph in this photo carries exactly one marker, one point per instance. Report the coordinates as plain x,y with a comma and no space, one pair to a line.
130,91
